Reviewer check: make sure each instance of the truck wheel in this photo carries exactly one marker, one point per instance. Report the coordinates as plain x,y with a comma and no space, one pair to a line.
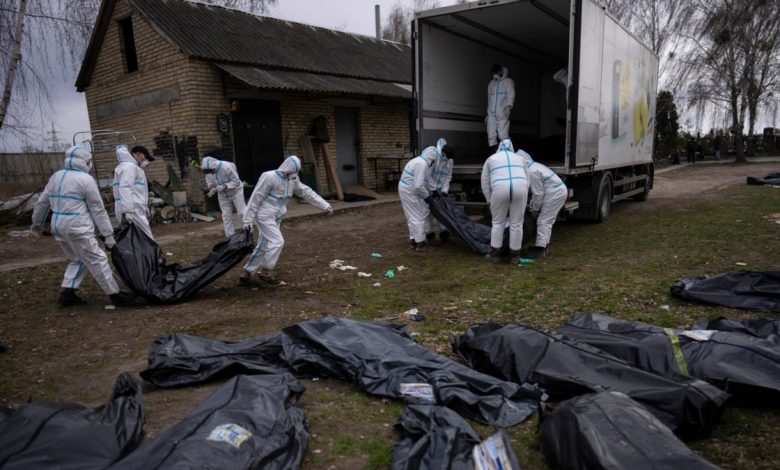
604,203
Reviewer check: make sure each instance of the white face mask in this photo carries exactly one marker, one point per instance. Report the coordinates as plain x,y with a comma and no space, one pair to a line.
292,176
496,76
144,163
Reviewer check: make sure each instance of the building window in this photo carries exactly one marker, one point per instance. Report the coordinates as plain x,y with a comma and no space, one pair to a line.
128,44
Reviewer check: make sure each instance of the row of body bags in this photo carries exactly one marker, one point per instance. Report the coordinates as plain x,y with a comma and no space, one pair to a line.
607,377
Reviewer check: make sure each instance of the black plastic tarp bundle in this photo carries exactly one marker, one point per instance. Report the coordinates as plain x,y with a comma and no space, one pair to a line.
141,265
435,437
179,359
750,290
747,367
758,327
381,359
772,179
474,234
249,422
609,430
566,368
71,436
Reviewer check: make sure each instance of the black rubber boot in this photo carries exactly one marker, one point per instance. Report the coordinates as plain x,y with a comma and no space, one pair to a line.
245,279
122,298
422,246
412,243
538,252
514,256
430,236
68,298
494,256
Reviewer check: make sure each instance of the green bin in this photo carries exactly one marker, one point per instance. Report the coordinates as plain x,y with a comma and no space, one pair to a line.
307,175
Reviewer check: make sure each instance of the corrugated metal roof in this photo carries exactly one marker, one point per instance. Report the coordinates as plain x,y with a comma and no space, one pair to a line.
305,81
223,35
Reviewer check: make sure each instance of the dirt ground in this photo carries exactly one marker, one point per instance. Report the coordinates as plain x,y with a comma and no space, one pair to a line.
75,354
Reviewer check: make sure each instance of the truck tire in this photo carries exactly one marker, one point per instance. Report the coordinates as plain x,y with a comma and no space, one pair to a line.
604,200
641,197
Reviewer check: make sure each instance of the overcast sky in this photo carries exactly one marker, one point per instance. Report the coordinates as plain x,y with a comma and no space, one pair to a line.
70,113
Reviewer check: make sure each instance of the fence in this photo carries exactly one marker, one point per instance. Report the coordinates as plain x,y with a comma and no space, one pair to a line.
29,168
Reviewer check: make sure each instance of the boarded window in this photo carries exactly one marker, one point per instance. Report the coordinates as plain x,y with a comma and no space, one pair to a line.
128,44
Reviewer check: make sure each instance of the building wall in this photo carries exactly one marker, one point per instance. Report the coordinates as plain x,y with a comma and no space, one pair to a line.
171,103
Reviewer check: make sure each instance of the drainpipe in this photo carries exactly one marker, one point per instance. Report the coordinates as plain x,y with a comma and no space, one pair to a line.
378,22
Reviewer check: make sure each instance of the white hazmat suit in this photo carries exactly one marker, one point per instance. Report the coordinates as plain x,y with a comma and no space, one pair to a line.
266,209
548,196
412,191
439,180
131,191
501,98
229,188
74,199
505,186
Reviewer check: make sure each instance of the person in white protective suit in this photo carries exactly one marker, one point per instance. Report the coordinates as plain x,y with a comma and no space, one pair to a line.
438,184
413,192
266,209
222,179
505,186
549,193
131,191
73,197
501,98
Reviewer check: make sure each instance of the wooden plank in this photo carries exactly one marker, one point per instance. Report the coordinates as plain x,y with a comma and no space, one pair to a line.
308,151
331,165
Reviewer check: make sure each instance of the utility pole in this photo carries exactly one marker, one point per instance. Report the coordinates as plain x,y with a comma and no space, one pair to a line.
53,140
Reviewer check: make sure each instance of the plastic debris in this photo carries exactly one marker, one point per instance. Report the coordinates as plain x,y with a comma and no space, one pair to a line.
401,268
525,261
376,284
495,452
20,234
339,264
377,255
390,274
110,307
740,263
203,218
362,274
168,253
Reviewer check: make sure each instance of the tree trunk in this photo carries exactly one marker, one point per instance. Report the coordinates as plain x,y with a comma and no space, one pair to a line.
16,56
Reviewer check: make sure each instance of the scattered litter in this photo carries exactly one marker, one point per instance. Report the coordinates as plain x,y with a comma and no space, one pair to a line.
414,315
740,263
309,292
20,233
525,261
362,274
401,268
376,284
168,253
282,283
494,452
110,307
451,307
203,218
18,282
412,311
390,274
376,255
665,307
339,264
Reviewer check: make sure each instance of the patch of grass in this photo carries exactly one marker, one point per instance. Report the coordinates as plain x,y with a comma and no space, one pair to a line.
379,453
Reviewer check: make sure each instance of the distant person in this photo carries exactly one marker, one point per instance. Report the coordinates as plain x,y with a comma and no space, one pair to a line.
413,191
131,191
74,199
266,209
505,186
549,194
716,143
501,98
222,179
438,184
691,150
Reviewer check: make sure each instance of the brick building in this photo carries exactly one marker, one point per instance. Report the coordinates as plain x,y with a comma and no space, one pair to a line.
187,77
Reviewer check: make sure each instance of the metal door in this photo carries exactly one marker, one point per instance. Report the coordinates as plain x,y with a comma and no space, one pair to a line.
257,137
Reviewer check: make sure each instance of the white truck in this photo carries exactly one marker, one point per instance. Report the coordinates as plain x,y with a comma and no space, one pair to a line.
595,129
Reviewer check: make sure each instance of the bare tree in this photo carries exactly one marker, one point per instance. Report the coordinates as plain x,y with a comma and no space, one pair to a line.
399,21
762,53
41,39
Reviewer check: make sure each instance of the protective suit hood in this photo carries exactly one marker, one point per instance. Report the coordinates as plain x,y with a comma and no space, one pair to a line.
440,145
209,163
123,155
506,144
78,158
504,73
430,154
290,165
